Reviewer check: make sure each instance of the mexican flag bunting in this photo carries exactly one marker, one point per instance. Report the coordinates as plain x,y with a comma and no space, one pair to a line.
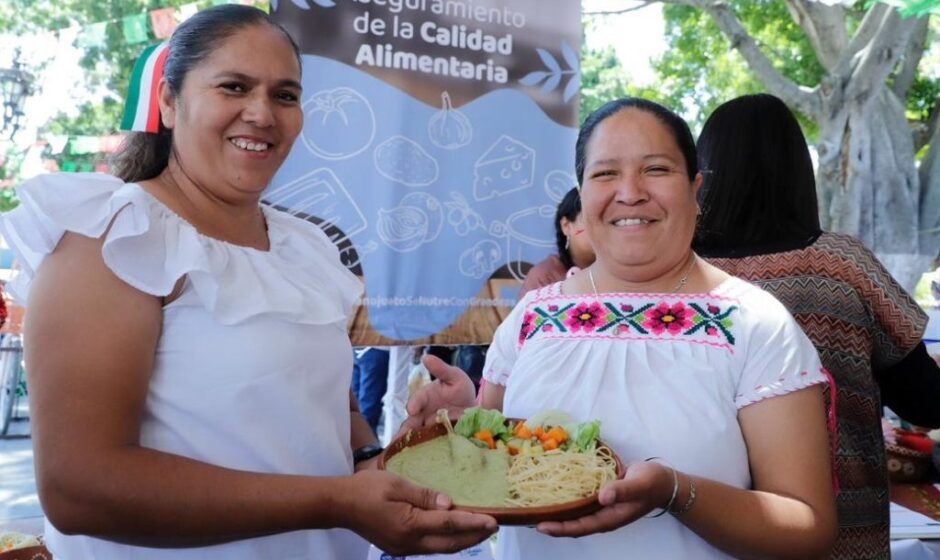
163,22
142,112
135,28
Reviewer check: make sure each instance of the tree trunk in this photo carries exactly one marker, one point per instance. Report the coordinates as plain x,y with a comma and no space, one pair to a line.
868,184
930,198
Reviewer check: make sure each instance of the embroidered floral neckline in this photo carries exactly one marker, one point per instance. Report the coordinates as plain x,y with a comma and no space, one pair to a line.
704,319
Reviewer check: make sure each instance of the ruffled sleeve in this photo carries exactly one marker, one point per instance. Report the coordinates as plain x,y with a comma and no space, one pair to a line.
149,247
778,357
507,340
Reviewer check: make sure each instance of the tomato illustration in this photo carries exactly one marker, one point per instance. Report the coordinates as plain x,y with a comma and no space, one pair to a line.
338,123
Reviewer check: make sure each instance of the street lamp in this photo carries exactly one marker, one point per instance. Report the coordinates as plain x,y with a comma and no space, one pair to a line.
16,84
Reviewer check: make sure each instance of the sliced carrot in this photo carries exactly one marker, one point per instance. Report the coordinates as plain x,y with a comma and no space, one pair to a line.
539,433
486,437
558,434
522,431
549,443
512,450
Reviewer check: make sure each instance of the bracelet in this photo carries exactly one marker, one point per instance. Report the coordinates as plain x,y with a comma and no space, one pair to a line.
366,452
675,487
688,502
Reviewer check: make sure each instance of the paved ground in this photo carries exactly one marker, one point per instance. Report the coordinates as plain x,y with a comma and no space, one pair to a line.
19,504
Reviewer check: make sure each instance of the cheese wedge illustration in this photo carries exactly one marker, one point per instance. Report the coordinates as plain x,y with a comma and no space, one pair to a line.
507,166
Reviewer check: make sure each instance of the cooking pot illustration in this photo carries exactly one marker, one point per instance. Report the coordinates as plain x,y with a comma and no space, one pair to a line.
530,226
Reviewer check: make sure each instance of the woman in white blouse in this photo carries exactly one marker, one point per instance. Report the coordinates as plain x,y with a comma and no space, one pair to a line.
677,360
188,359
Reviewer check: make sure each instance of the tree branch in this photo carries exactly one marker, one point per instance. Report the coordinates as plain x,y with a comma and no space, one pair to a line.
930,192
804,99
928,130
870,25
912,56
642,4
824,26
880,56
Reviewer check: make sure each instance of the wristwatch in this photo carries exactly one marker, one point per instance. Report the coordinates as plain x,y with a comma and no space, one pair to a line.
366,452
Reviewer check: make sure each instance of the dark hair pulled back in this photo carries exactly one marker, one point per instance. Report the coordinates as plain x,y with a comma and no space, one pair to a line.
676,125
144,155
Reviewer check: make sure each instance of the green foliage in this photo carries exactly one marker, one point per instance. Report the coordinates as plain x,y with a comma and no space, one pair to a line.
9,166
700,69
602,79
8,200
93,118
109,64
922,98
914,8
922,293
107,68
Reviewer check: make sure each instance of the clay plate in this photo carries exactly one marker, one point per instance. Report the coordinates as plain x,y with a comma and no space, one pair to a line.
504,515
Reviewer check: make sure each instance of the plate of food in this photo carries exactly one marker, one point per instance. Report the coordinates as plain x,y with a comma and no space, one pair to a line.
545,468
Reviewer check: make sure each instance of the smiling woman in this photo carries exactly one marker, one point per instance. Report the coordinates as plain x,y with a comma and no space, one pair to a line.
231,128
675,358
638,196
188,358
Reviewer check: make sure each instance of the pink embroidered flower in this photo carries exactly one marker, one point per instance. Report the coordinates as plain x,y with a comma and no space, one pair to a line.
553,308
528,325
713,309
622,329
665,318
585,317
711,331
626,308
548,327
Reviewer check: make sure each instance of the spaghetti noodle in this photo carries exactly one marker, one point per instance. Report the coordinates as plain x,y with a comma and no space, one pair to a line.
558,476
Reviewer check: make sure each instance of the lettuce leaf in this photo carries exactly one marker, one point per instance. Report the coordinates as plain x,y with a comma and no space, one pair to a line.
477,419
584,436
548,418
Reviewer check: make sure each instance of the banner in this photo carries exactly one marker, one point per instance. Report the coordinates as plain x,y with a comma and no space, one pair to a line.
438,139
163,22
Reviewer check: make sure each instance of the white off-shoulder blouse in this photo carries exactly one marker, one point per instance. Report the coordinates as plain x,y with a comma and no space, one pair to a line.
253,365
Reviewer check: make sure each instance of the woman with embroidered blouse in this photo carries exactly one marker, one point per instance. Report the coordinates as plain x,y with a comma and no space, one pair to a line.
188,358
705,374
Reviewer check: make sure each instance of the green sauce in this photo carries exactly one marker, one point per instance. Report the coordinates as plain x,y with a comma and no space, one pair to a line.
452,464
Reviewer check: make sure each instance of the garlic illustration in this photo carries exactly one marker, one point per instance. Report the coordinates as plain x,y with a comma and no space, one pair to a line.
449,128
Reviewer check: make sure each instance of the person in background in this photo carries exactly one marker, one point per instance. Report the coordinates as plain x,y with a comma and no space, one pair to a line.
760,222
370,382
574,247
676,359
401,363
189,364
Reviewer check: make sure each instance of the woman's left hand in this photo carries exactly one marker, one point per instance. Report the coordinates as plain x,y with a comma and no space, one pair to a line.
644,487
